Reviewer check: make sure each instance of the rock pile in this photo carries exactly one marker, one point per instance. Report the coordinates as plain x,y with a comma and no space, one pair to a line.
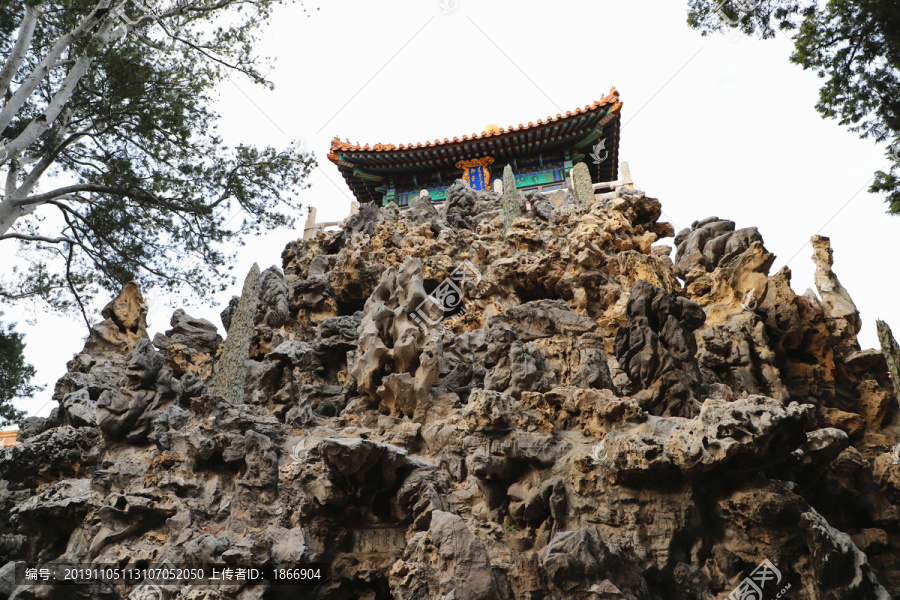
589,419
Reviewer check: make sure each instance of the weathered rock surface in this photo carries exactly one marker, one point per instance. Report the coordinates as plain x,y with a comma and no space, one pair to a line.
581,417
190,346
840,311
658,351
725,435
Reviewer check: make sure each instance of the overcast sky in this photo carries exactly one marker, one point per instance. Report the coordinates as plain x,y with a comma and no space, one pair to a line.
721,126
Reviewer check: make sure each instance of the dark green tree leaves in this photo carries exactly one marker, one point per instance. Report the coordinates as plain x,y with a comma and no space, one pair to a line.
117,101
15,374
853,45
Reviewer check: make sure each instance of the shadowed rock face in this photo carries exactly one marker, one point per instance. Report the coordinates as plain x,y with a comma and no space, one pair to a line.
190,346
591,421
658,350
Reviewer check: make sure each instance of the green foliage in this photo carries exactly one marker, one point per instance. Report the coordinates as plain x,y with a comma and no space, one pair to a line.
158,190
15,374
854,45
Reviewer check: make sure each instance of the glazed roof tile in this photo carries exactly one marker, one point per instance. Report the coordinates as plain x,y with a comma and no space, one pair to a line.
610,100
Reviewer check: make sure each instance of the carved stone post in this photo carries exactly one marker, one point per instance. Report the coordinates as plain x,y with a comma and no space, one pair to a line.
512,209
581,181
231,370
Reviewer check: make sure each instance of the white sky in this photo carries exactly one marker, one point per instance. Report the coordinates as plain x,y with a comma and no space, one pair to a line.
721,126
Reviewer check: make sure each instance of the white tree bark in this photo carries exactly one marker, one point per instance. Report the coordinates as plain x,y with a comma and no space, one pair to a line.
23,42
103,25
41,71
41,124
11,206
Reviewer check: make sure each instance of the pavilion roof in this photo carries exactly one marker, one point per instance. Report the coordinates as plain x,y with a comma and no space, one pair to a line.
8,438
367,168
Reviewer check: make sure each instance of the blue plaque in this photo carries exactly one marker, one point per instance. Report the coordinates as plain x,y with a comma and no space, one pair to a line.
476,178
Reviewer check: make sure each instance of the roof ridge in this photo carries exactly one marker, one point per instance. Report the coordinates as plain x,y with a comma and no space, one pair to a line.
612,98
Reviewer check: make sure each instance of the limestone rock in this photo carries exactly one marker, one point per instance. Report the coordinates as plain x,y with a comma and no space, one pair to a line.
724,269
190,346
62,505
460,569
576,562
460,207
841,312
198,335
397,336
273,308
124,322
724,434
79,408
658,350
891,352
52,455
579,423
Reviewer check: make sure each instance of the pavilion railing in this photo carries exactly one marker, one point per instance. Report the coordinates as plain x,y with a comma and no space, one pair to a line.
625,181
312,228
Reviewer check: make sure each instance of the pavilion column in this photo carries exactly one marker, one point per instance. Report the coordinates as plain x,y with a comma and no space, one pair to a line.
310,230
627,181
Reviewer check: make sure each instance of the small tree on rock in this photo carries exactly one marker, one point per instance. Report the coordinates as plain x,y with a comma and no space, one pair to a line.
15,374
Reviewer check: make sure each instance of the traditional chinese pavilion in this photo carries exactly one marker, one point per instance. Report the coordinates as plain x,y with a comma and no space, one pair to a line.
541,155
8,438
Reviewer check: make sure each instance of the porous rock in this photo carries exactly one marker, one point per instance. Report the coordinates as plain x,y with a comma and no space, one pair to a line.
584,417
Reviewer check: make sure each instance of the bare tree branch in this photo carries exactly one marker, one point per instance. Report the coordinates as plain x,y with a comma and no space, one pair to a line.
73,290
70,189
35,238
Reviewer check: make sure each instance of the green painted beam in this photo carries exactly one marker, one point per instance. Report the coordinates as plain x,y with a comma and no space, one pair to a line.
367,175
